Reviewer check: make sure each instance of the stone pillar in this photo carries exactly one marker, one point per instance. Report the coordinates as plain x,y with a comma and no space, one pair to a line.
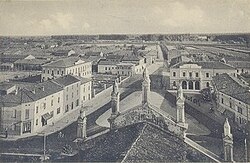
180,101
115,104
227,142
145,87
81,125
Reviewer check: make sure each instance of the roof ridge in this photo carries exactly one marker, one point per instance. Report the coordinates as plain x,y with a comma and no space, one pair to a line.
136,140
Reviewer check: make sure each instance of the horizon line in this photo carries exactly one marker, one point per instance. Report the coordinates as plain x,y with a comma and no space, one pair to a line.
205,33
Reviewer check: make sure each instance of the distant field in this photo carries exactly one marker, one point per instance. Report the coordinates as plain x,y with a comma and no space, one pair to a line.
4,75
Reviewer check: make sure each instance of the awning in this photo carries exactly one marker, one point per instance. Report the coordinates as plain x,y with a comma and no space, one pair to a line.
221,109
46,116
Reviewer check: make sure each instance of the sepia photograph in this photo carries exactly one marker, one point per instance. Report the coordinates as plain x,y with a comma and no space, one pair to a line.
124,81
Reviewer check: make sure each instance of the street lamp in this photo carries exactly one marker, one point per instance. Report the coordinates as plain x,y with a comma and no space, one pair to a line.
44,157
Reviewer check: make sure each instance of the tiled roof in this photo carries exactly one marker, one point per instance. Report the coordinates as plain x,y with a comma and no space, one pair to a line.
32,61
137,142
66,80
225,84
6,86
30,93
239,64
91,53
82,79
131,58
107,62
65,62
206,65
118,57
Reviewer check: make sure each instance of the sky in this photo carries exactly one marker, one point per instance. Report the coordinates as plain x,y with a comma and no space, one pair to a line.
63,17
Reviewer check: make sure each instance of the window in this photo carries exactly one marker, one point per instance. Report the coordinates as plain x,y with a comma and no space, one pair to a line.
14,114
72,105
72,95
44,105
240,110
67,88
207,75
89,96
51,102
67,108
217,74
230,104
58,72
222,100
77,92
77,102
89,87
58,99
83,98
52,113
174,83
190,74
48,71
67,97
207,84
183,74
27,112
36,121
106,68
58,110
197,74
36,109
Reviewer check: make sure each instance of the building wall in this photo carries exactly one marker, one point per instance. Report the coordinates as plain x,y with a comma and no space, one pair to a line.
204,76
85,92
83,70
52,104
11,118
71,99
241,110
106,68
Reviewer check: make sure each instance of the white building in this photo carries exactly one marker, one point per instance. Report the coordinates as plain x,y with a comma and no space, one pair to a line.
71,65
30,108
233,99
195,76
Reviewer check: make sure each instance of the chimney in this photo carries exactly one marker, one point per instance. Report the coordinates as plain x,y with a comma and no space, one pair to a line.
42,88
34,91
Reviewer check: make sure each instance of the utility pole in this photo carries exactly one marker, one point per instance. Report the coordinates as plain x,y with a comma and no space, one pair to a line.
44,157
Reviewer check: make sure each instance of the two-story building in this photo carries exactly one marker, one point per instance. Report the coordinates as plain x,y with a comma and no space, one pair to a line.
233,99
71,65
30,108
195,76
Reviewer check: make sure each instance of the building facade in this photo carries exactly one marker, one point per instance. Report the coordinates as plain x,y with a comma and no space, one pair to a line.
71,65
30,108
232,99
195,76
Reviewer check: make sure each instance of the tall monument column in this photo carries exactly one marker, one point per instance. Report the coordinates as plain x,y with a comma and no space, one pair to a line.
227,142
145,87
81,125
115,104
180,101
